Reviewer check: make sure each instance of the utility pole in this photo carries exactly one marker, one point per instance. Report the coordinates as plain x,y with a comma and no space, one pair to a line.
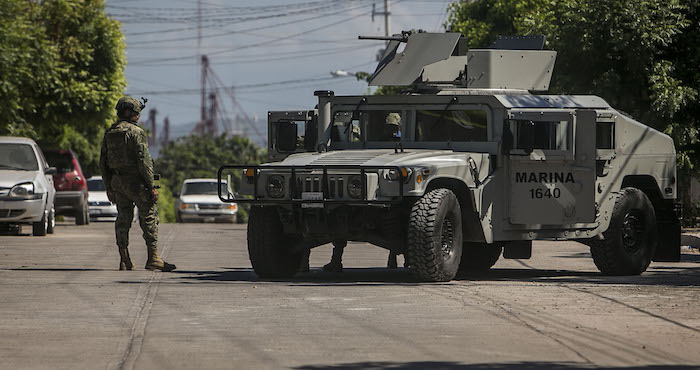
387,24
166,132
205,68
386,13
212,126
199,25
153,138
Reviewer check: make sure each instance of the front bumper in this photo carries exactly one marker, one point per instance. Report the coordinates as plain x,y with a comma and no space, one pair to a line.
319,185
98,209
22,211
203,214
69,201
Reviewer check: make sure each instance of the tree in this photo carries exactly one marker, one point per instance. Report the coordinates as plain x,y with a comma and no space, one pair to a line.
201,157
61,72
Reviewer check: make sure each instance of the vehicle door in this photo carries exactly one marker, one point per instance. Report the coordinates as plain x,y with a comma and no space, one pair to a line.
46,179
291,132
551,167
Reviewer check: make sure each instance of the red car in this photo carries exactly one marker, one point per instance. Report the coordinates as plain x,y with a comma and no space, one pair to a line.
70,184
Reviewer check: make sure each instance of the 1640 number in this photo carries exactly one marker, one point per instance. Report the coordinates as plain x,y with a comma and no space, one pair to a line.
540,193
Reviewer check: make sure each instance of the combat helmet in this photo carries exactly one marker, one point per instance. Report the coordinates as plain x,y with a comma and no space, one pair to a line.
127,102
393,119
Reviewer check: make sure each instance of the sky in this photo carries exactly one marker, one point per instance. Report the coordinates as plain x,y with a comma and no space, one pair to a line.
273,53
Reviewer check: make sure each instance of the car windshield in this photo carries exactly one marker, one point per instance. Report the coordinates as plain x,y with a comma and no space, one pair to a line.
18,157
62,161
96,185
428,125
203,188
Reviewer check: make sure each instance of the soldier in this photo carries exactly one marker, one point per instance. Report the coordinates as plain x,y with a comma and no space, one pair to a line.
127,171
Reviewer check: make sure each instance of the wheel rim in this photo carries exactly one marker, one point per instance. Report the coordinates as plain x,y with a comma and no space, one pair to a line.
632,232
447,239
52,222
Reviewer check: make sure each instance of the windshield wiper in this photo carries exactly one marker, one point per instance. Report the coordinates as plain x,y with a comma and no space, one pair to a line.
13,167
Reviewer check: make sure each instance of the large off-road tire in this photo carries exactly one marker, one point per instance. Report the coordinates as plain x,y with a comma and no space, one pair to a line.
267,245
630,240
82,215
39,228
479,257
51,227
435,236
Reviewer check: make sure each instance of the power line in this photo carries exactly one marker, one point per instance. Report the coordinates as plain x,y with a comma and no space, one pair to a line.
247,31
158,60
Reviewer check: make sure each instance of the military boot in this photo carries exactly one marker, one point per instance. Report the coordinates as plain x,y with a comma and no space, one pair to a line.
336,263
125,263
155,262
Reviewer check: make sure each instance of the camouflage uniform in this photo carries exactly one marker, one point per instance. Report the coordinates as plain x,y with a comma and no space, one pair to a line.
127,172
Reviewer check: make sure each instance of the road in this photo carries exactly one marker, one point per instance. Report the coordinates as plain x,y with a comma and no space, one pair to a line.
64,304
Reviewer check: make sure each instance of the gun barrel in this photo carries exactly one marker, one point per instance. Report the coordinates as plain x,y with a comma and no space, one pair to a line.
384,38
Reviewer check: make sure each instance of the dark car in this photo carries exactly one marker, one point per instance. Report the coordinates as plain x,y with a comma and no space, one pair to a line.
70,184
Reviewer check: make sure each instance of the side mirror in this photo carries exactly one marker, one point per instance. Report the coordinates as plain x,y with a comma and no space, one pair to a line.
51,171
286,136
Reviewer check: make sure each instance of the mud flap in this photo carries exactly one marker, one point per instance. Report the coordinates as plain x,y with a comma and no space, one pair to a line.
518,249
668,248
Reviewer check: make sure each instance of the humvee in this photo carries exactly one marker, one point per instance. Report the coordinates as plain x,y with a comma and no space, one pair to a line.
468,163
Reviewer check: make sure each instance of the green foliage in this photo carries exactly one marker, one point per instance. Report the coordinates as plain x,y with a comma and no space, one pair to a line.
61,72
201,157
166,202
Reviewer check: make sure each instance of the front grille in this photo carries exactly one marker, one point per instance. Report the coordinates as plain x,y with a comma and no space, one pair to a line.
209,206
335,187
7,213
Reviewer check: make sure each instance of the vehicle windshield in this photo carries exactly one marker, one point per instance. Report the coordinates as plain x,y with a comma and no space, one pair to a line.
62,161
427,125
96,185
203,188
18,157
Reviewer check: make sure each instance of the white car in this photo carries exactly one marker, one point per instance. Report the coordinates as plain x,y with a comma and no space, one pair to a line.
199,201
98,203
26,187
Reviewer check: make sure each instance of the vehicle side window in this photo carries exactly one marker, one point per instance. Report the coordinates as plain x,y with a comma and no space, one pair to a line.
457,125
345,128
44,164
544,135
605,135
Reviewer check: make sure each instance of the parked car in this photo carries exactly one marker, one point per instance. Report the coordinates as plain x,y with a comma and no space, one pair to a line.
98,203
70,184
199,201
26,186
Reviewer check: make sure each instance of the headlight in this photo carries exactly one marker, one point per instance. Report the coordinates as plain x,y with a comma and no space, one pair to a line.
355,186
275,186
250,174
188,206
24,191
393,175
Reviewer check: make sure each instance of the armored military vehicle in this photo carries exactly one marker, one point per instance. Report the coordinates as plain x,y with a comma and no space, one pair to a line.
469,163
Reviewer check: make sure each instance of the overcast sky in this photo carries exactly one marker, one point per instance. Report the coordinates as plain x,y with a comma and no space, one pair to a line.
275,53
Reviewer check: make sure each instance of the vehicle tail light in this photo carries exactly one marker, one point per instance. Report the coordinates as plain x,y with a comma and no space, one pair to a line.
78,183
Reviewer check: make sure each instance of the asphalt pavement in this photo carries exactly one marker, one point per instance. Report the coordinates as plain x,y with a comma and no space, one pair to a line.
65,305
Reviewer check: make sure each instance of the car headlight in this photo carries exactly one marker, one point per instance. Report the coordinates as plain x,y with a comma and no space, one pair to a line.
24,191
355,186
393,175
275,186
188,206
